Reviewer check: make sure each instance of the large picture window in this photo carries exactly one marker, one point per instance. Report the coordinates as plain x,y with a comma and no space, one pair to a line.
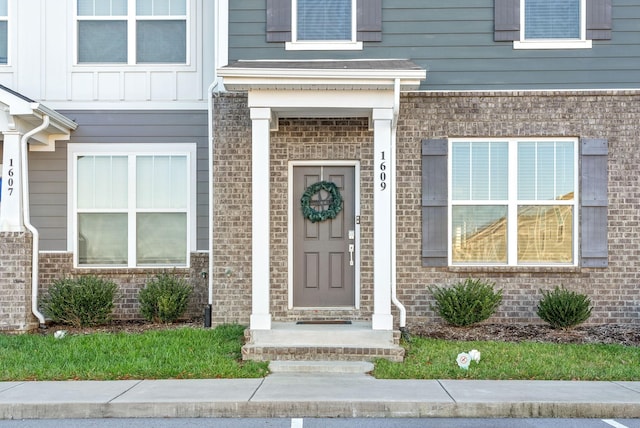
132,205
513,202
132,31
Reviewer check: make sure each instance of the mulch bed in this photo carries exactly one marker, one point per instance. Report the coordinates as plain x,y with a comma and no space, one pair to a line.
606,334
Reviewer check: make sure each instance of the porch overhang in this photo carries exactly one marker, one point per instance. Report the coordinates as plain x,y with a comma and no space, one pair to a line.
322,88
20,113
322,75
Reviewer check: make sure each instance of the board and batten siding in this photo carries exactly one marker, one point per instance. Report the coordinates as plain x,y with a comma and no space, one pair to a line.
42,59
48,170
454,42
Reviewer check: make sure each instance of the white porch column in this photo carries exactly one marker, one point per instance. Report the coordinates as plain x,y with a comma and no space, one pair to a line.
383,177
260,179
11,218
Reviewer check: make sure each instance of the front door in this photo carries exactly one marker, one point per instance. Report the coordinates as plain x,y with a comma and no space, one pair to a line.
324,253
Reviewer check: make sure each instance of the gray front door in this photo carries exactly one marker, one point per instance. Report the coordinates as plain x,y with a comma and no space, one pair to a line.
324,253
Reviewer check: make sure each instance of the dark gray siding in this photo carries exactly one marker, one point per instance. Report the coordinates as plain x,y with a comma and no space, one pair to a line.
48,170
454,41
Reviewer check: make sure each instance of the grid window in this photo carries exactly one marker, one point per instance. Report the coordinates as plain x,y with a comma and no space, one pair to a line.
513,202
132,31
133,209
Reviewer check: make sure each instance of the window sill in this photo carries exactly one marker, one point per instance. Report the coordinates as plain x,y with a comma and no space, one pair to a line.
552,44
323,46
516,269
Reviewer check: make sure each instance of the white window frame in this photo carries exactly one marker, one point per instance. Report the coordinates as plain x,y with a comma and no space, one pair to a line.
132,18
512,203
581,43
323,45
74,150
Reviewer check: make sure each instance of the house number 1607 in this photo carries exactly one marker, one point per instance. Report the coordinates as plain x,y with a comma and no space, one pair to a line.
383,171
10,180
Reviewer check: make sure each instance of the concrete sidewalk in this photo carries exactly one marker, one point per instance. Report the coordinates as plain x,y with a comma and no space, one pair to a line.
285,394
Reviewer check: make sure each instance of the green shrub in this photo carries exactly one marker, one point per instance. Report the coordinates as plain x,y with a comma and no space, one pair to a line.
164,298
467,302
83,301
562,308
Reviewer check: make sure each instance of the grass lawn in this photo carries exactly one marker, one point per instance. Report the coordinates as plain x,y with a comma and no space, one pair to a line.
185,353
215,353
436,359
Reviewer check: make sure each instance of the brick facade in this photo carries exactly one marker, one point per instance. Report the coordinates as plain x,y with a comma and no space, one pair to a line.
54,266
15,283
613,115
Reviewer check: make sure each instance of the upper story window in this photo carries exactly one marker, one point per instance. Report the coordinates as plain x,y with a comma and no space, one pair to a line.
552,24
559,22
4,32
324,24
132,31
553,20
324,21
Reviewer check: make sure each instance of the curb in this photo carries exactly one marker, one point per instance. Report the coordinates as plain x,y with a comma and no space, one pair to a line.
319,410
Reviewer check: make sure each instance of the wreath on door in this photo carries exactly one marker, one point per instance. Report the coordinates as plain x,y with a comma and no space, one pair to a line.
321,208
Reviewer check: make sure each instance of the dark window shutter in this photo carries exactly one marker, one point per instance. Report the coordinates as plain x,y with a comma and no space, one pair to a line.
594,202
369,20
599,19
506,20
278,20
434,202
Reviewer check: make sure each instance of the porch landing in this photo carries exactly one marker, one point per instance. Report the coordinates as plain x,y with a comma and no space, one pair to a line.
322,342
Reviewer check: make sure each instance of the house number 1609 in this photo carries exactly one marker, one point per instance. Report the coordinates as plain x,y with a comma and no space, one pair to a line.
383,171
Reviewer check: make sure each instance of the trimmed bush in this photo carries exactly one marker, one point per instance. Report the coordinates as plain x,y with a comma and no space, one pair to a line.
562,308
164,298
467,302
81,302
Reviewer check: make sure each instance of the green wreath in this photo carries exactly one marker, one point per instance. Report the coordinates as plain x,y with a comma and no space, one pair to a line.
335,202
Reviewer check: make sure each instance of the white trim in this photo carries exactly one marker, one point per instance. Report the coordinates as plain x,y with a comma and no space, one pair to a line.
131,150
292,205
552,44
323,46
512,202
128,105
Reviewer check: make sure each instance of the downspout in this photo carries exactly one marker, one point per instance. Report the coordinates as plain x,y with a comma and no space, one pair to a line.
221,27
210,105
394,129
35,271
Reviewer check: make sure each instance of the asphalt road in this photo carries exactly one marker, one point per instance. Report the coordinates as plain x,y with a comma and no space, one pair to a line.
320,423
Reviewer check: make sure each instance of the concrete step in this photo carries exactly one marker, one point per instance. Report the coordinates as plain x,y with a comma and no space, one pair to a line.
321,367
293,342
